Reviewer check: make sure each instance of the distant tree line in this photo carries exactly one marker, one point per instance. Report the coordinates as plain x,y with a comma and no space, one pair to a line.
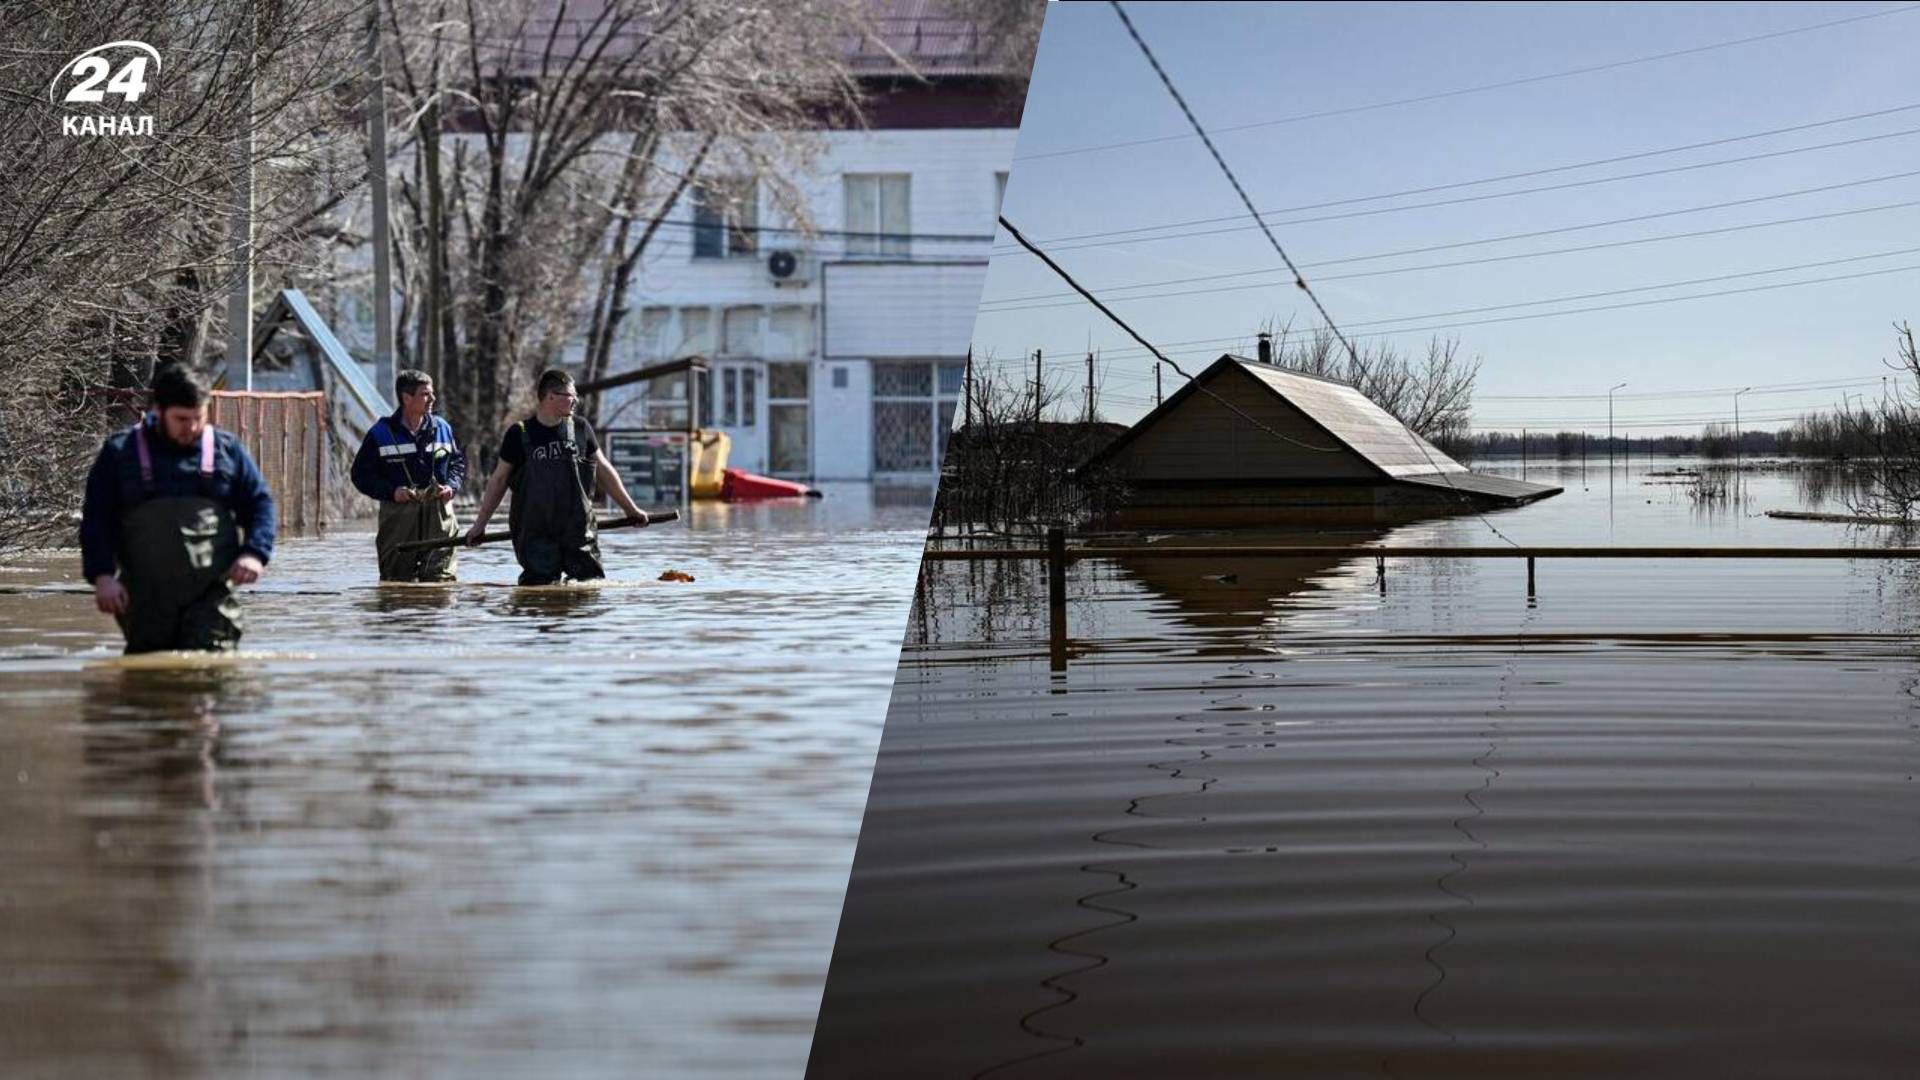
1879,441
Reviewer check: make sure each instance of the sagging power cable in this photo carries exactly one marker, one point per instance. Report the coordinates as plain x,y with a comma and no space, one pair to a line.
1298,279
1148,345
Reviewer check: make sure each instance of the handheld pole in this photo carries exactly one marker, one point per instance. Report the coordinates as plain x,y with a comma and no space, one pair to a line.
653,518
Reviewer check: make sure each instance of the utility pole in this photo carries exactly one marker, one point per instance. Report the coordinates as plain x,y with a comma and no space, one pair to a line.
1523,453
1089,387
433,313
382,242
1036,389
1156,384
968,373
240,298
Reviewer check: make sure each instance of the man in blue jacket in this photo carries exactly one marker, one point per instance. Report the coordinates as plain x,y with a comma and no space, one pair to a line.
410,463
182,512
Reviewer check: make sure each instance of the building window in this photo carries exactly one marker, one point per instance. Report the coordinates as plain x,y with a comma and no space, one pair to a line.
725,219
913,408
737,397
839,378
879,214
999,192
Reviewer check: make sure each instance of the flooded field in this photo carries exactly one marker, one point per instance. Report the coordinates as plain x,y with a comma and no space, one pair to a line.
475,831
1659,821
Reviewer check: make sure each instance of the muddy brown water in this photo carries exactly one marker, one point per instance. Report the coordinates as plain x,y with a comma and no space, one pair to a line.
1661,821
475,831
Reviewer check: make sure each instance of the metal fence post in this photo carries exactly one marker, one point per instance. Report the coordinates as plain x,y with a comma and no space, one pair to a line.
1057,598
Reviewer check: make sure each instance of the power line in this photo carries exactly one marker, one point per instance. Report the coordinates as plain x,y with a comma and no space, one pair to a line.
1474,262
1571,297
1166,81
1545,171
1131,332
1757,390
1464,199
1483,87
1762,388
1216,342
1600,421
1453,245
1662,418
1300,281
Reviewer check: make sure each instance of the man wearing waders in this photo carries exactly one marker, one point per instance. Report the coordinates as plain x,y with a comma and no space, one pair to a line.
551,460
410,463
184,514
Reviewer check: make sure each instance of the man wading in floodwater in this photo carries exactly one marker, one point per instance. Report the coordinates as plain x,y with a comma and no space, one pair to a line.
184,513
410,463
551,460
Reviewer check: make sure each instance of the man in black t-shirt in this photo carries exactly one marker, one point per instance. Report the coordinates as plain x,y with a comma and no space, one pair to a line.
552,460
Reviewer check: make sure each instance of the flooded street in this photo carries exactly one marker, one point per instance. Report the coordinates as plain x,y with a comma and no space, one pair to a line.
467,831
1659,821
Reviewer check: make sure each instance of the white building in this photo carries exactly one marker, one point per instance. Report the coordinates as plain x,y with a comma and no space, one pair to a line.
837,354
842,357
839,357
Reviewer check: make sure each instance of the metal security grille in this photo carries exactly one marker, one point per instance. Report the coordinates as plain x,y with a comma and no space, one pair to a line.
287,435
913,407
902,436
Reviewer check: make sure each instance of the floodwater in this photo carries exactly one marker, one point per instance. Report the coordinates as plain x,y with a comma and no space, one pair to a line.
466,832
1659,821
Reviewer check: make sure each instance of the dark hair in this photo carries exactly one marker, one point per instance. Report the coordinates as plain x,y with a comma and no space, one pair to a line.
410,380
174,386
551,381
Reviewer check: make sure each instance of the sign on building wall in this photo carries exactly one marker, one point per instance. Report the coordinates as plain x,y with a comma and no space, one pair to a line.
652,464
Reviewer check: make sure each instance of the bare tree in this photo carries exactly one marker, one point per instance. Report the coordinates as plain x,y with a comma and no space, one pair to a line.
114,252
559,146
1890,433
1431,394
1008,467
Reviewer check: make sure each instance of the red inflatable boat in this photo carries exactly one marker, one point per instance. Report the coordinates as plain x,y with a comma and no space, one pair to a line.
743,486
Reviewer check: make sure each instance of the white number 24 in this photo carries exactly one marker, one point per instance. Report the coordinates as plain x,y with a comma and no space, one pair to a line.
130,82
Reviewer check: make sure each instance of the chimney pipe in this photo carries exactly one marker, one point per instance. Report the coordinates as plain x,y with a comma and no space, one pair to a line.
1266,347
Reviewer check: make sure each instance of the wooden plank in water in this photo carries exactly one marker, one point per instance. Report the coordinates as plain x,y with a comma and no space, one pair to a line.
1843,519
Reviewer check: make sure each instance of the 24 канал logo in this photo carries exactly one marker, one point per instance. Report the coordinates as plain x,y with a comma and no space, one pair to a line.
91,78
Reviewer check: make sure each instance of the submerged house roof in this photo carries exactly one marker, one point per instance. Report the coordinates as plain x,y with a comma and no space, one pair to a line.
1249,427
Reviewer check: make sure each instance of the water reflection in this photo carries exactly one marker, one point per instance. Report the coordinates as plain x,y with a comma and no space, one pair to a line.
393,598
563,609
474,831
1288,825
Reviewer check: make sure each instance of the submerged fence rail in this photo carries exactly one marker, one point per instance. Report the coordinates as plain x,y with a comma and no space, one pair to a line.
1418,551
1057,555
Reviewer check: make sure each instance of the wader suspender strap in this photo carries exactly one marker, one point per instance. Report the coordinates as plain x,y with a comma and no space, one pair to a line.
146,453
575,459
384,434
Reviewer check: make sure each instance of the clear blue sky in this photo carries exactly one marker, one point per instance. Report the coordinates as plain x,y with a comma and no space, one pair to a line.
1253,64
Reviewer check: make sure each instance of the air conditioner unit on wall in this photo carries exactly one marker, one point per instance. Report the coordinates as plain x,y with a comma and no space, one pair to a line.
789,266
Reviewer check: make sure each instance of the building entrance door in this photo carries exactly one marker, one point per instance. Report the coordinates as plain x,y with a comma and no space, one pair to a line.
788,448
